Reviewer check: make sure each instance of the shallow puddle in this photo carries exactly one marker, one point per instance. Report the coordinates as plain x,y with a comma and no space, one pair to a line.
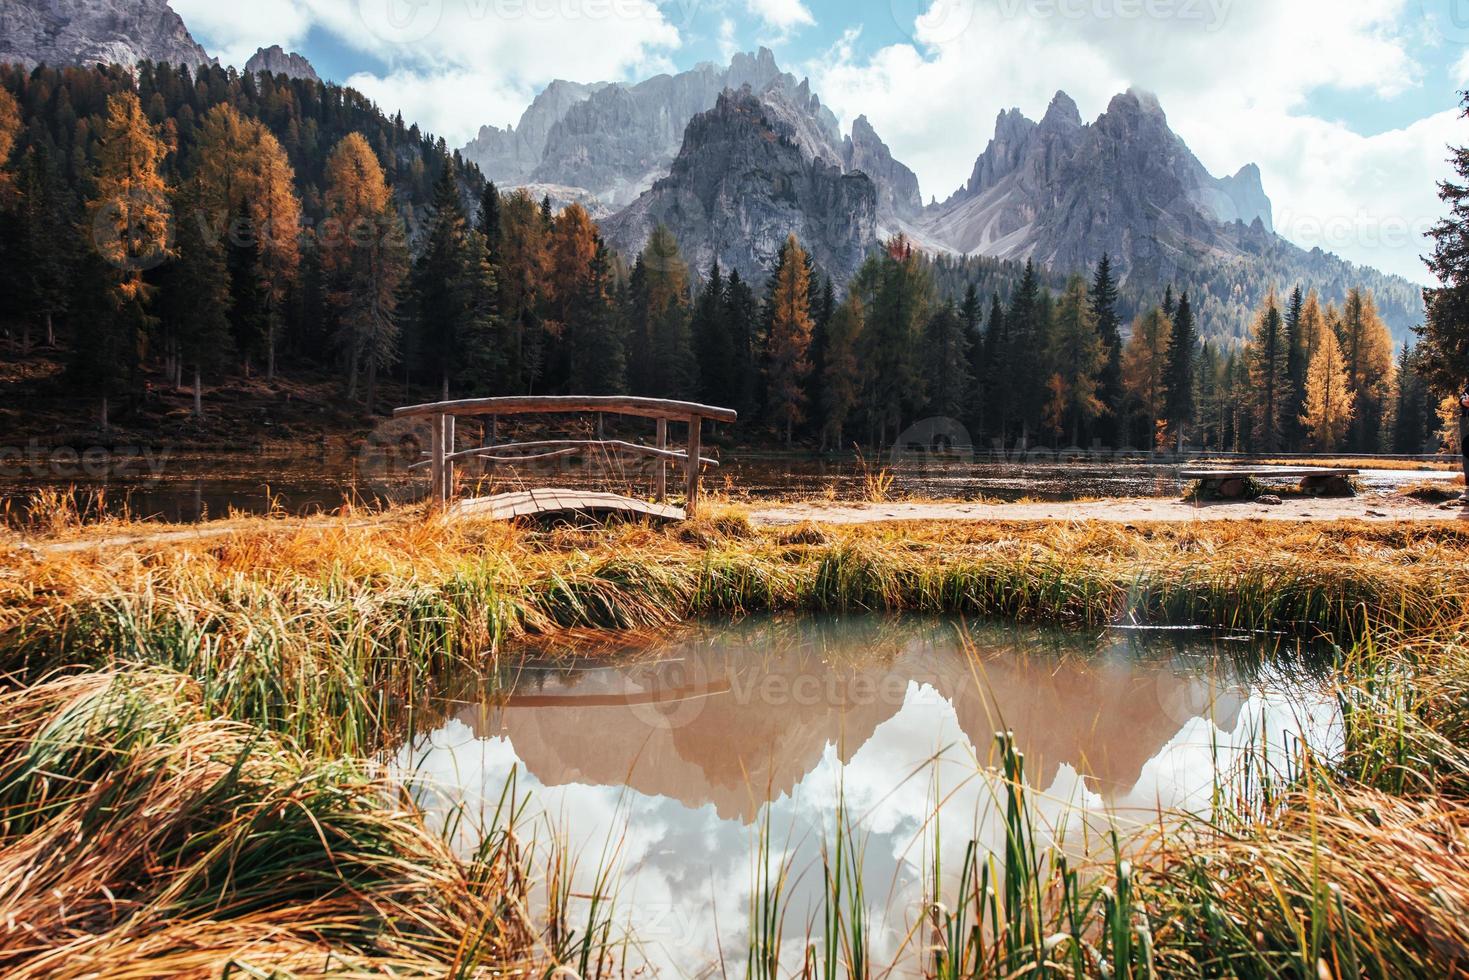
665,767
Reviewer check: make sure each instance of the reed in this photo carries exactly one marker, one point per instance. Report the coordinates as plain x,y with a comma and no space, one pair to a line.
187,729
139,836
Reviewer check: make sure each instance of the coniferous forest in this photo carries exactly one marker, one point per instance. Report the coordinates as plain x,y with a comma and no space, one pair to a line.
176,229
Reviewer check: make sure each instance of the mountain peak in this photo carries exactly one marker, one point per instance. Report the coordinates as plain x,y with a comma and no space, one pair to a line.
88,32
275,61
1062,113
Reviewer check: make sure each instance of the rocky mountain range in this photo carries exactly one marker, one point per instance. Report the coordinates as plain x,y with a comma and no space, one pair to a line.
735,157
606,143
1063,192
84,32
768,158
744,179
277,61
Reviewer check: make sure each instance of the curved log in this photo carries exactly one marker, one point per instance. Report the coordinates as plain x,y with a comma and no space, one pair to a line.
654,408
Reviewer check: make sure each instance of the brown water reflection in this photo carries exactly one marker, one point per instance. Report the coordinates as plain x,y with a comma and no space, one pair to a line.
185,488
681,755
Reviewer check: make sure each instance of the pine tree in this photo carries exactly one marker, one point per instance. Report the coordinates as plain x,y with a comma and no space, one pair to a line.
44,244
1297,363
1444,336
971,316
487,221
571,250
713,341
1170,308
479,344
1026,327
1145,369
1181,352
1329,407
10,126
787,355
946,363
1268,358
1413,414
896,293
742,319
444,277
664,366
275,213
522,270
1109,329
598,355
996,345
130,220
365,253
1366,349
1077,358
841,377
195,297
823,308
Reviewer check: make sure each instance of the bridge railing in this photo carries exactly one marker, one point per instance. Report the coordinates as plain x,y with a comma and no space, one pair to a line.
443,453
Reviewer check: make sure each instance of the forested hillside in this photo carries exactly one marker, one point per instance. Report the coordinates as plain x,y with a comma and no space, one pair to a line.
176,231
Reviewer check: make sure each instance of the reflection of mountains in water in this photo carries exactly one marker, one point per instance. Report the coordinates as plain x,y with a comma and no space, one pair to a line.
743,715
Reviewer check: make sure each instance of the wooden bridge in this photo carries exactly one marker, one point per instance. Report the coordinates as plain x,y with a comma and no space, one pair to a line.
443,455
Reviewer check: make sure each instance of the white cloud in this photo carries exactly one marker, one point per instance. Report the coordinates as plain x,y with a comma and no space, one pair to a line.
238,30
728,43
783,15
453,65
1461,70
1234,75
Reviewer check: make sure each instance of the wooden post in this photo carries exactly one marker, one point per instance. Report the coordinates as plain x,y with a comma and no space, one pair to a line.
662,463
436,460
696,435
449,427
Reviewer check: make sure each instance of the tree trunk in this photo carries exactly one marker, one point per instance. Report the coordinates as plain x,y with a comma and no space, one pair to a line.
790,426
270,348
104,415
50,331
25,339
198,395
352,374
371,385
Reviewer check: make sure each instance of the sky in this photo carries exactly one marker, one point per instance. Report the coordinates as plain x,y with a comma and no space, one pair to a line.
1347,106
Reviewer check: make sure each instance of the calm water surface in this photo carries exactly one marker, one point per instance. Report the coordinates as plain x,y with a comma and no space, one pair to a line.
667,765
186,488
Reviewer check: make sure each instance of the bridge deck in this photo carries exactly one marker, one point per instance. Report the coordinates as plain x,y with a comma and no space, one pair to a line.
534,503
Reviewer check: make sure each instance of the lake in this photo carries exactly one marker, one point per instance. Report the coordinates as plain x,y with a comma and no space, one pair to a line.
193,487
663,762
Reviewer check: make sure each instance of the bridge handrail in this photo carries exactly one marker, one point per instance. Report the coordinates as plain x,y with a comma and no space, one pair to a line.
653,408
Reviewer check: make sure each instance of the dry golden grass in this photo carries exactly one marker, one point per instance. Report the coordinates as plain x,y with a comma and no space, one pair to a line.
292,634
1366,463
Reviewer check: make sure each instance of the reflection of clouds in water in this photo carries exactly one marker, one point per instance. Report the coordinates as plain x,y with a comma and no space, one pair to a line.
679,864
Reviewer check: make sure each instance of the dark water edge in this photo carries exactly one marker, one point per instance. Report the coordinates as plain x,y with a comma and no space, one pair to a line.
189,488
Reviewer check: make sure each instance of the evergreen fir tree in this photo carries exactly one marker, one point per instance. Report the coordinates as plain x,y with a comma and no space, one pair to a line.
946,363
1109,328
1297,361
1077,357
1268,359
1181,352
